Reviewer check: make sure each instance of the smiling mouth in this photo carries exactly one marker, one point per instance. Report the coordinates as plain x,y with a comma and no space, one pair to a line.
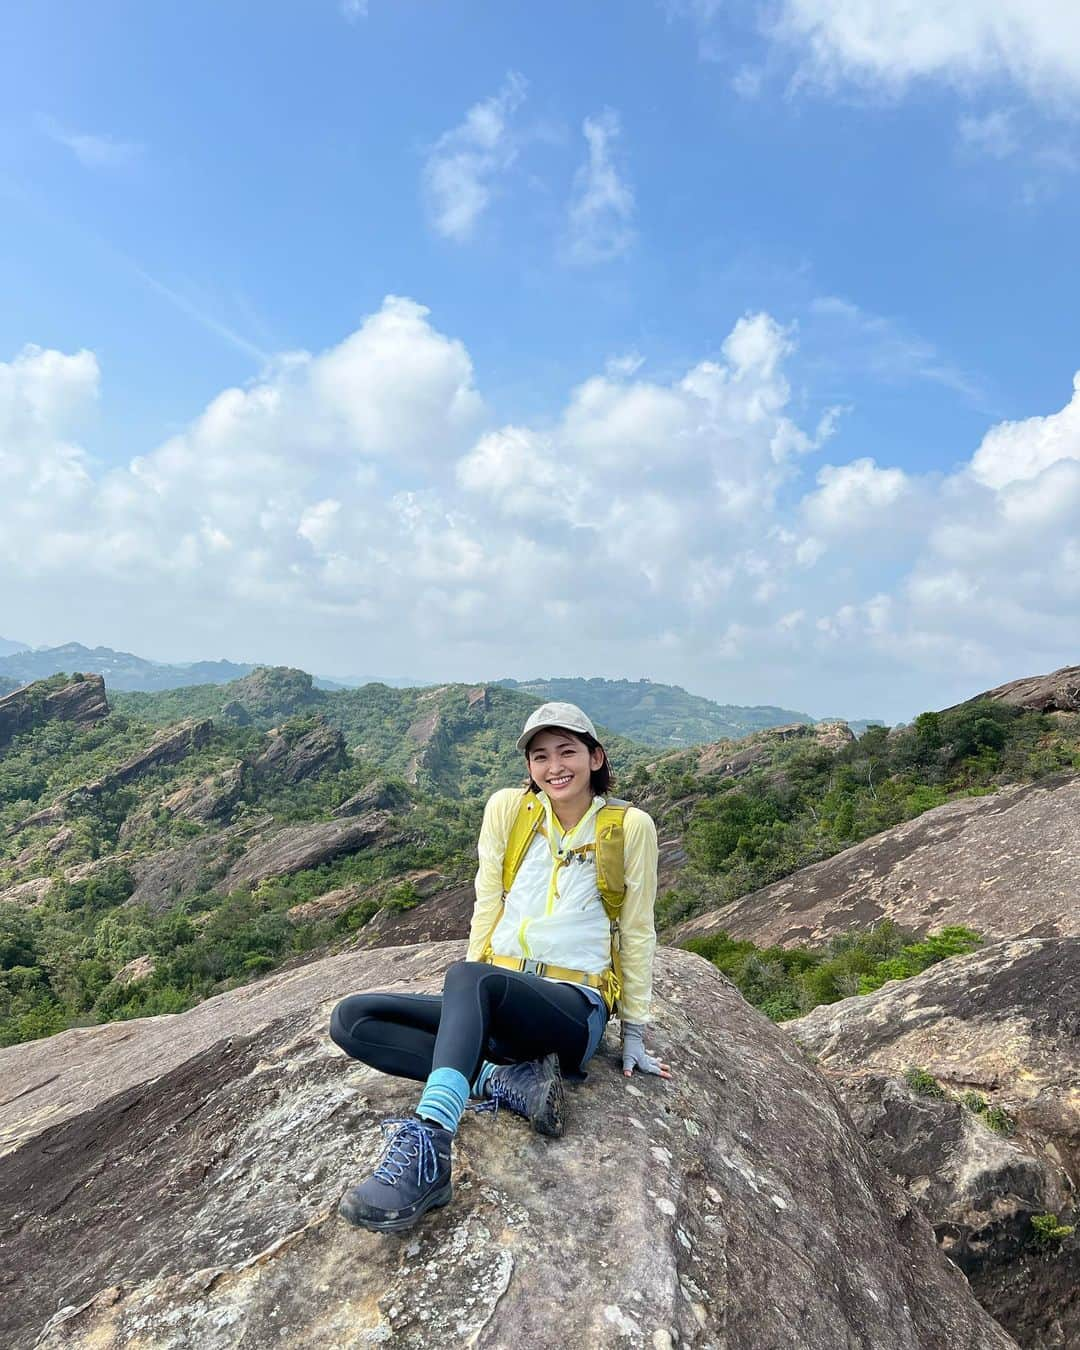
560,782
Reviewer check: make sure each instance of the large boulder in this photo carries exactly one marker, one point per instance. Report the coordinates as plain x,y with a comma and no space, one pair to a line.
173,1182
170,747
1057,692
298,847
291,758
165,878
1007,865
997,1031
81,701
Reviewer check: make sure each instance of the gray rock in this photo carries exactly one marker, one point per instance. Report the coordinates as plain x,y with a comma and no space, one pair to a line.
1007,865
81,701
1003,1022
298,847
165,878
173,1182
171,747
293,759
378,795
1056,692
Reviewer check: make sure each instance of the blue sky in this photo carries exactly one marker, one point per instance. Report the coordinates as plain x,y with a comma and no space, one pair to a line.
732,345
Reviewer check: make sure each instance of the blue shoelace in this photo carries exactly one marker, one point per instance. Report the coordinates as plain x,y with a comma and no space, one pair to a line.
411,1142
500,1094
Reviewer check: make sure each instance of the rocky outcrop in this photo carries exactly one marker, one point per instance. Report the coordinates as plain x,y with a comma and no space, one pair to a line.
28,893
82,702
1007,865
173,1182
329,905
443,916
139,968
208,799
1056,692
298,847
379,795
998,1030
171,747
292,759
735,759
165,878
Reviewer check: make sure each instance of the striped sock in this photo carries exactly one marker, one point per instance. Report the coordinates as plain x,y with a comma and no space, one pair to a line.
443,1099
479,1087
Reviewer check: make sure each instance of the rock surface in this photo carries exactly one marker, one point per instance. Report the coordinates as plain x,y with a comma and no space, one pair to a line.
171,747
298,847
1007,865
81,701
1003,1022
379,795
313,752
1056,692
164,878
173,1182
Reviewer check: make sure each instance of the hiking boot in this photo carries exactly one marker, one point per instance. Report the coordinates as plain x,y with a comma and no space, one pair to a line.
533,1090
412,1177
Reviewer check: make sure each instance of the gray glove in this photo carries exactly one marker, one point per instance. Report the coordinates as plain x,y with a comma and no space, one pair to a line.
634,1054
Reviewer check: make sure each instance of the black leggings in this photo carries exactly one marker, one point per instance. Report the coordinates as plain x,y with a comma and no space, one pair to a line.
484,1012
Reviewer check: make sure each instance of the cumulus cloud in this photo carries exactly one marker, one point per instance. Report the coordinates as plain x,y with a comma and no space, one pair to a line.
1033,43
601,214
357,507
1013,451
464,164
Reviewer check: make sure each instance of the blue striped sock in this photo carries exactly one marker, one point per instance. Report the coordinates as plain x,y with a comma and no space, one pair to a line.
443,1099
479,1087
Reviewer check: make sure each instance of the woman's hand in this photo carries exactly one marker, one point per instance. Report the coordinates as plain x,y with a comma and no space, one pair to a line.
634,1054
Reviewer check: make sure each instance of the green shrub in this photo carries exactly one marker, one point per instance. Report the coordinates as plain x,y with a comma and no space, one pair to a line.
925,1084
1049,1232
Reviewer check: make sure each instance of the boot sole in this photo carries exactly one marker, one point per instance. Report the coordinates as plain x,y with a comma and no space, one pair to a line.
397,1225
548,1117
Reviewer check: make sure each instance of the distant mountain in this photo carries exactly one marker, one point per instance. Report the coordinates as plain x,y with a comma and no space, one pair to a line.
658,714
121,670
8,647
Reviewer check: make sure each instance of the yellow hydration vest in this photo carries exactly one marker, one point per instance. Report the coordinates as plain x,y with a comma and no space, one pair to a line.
610,870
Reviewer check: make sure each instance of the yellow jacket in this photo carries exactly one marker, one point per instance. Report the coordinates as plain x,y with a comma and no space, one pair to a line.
559,917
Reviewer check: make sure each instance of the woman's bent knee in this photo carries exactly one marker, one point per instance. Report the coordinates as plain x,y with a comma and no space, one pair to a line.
464,973
344,1018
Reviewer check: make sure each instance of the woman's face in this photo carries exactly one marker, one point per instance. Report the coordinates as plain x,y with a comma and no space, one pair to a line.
561,765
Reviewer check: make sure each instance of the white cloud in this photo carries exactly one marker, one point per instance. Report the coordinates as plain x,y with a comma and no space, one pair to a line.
355,508
463,164
352,10
1033,43
601,213
92,151
1013,451
857,497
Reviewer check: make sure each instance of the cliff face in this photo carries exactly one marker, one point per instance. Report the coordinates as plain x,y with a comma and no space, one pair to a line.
1002,1026
174,1181
1007,865
81,701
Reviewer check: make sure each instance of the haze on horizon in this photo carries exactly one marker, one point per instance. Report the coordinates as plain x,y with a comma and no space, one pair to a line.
733,348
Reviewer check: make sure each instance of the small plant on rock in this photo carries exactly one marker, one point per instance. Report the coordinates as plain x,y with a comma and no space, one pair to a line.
995,1118
925,1084
1049,1232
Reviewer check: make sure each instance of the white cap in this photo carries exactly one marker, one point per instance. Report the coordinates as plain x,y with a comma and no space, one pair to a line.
563,716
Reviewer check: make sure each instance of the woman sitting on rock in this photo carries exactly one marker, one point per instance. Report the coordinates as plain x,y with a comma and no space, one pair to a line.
546,965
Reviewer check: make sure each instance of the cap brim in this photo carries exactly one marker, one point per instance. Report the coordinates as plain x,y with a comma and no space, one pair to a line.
526,736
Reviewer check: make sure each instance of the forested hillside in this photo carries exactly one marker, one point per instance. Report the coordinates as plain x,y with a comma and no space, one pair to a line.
161,850
658,714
